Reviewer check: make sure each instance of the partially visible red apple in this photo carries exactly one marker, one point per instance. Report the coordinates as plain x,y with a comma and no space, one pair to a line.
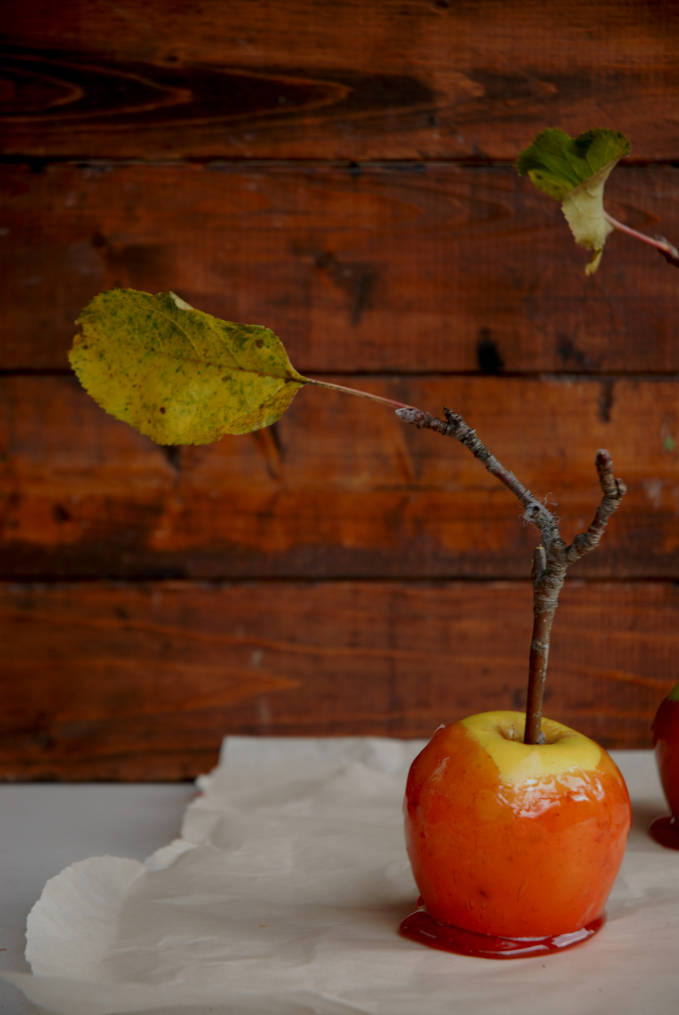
666,744
514,840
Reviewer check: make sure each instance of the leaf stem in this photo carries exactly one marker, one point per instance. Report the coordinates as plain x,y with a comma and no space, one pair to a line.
358,393
659,243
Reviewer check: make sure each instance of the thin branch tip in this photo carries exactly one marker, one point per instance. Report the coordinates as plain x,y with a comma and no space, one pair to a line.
407,415
668,251
613,488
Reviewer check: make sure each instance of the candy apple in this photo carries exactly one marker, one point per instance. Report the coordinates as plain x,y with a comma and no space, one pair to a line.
666,744
509,840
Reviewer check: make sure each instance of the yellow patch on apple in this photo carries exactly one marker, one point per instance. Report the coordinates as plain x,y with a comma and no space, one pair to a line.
500,734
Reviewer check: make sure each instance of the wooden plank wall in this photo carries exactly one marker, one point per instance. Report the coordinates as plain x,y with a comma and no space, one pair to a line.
342,172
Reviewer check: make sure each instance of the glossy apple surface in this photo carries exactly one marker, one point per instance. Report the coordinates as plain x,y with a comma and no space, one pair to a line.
511,839
666,744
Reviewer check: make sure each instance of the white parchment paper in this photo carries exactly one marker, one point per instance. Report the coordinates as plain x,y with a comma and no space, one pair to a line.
284,893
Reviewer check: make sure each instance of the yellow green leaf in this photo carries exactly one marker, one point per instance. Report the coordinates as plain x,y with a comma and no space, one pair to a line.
574,171
178,375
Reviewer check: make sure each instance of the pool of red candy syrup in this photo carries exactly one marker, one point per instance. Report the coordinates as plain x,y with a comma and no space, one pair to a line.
665,831
424,929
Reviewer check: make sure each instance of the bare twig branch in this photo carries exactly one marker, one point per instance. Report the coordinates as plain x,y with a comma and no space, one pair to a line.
550,560
613,491
455,426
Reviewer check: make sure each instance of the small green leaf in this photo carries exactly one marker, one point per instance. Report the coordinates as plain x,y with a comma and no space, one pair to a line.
558,163
574,171
178,375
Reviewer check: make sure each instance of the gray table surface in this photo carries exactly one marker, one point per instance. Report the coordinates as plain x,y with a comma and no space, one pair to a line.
46,827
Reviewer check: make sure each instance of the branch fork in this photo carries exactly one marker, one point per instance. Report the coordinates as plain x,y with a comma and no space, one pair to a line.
552,557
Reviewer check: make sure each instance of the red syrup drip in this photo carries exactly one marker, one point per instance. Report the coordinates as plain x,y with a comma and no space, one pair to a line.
424,929
665,831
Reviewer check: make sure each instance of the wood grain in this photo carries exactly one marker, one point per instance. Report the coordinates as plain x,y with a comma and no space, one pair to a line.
340,488
415,79
108,682
341,172
403,269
